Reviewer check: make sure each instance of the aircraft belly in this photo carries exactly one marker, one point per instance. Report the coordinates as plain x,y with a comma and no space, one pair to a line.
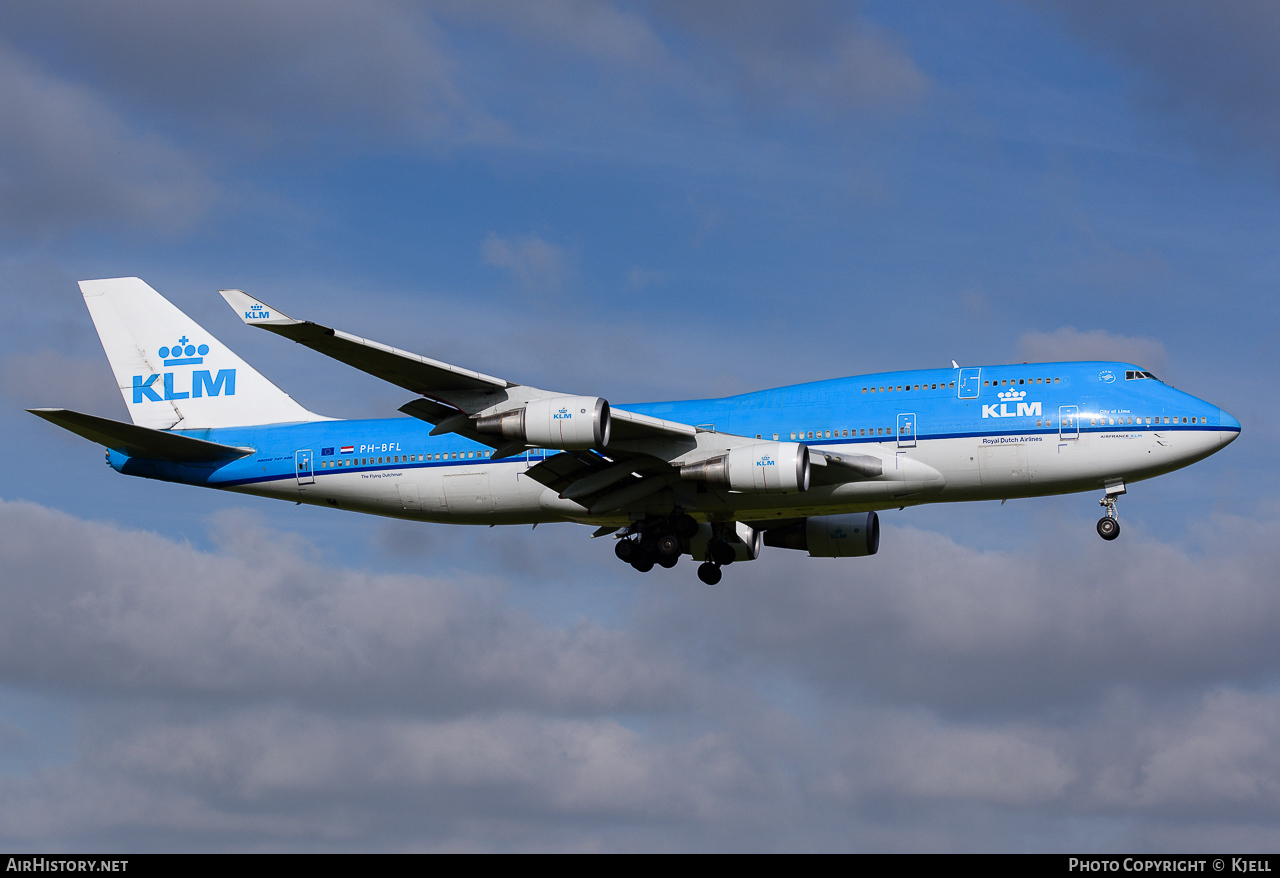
468,493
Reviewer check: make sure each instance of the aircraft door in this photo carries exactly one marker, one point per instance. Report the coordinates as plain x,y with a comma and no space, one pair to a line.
1068,422
970,381
302,465
907,430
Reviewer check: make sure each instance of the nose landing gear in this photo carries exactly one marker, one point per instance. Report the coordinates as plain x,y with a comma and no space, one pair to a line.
1109,524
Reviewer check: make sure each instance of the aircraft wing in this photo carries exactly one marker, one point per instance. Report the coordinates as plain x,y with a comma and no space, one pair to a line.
408,370
452,393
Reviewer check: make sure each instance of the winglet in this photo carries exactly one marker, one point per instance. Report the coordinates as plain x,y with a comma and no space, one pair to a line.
252,311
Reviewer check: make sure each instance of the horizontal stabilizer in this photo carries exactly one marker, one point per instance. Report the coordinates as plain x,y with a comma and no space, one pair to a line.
141,442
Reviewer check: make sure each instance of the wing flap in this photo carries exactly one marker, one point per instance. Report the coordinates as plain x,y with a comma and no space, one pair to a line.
143,442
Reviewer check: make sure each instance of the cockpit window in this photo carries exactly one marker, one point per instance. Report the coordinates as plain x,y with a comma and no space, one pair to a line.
1132,374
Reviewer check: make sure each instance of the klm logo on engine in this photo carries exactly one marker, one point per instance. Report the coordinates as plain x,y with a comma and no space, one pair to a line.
1012,397
765,460
562,415
203,381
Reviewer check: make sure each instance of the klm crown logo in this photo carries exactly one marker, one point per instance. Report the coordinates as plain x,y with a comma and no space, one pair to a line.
203,381
183,353
1012,395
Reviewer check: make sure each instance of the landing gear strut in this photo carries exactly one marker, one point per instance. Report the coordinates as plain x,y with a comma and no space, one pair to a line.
1109,524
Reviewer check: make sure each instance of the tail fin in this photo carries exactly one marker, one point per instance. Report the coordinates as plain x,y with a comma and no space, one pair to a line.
173,374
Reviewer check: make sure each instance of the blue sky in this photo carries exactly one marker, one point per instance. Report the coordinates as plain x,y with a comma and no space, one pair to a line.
642,201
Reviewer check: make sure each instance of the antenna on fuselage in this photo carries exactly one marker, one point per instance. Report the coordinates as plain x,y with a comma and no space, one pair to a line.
955,365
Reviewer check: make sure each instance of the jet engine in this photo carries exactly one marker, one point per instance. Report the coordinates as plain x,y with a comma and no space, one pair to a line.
569,423
830,536
759,468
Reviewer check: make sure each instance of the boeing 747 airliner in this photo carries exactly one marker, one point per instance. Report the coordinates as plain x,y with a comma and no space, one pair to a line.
802,467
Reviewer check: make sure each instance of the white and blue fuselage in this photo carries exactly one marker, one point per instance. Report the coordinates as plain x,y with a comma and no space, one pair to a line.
994,432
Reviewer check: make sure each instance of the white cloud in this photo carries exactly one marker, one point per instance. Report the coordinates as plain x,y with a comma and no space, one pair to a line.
1069,343
539,265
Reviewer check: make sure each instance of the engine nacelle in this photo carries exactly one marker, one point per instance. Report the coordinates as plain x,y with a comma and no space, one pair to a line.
830,536
570,423
759,468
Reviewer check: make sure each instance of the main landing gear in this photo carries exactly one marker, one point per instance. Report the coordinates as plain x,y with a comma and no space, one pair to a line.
656,542
1109,524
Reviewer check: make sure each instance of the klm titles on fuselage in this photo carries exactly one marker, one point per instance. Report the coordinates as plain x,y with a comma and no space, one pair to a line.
1001,409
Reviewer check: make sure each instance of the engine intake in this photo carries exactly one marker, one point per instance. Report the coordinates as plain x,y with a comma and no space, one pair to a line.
759,468
830,536
569,423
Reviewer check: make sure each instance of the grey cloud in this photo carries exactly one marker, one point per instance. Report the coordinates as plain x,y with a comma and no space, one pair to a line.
67,157
151,616
975,631
263,72
246,697
1223,754
1211,65
1069,343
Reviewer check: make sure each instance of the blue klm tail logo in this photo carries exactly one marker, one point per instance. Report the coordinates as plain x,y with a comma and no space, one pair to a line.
185,354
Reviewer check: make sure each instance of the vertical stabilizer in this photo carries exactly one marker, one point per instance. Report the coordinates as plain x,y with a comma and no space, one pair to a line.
173,374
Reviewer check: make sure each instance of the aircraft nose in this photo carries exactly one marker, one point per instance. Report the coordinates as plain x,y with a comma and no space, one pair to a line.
1230,428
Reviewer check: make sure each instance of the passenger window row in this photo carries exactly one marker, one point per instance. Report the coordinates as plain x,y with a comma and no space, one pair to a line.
904,388
401,458
837,434
1003,382
1109,421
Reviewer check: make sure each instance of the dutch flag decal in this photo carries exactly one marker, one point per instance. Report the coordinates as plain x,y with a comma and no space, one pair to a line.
347,449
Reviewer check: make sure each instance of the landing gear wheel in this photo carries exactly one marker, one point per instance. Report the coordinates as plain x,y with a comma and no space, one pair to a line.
668,546
709,573
625,550
643,563
684,526
1108,528
722,553
668,561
